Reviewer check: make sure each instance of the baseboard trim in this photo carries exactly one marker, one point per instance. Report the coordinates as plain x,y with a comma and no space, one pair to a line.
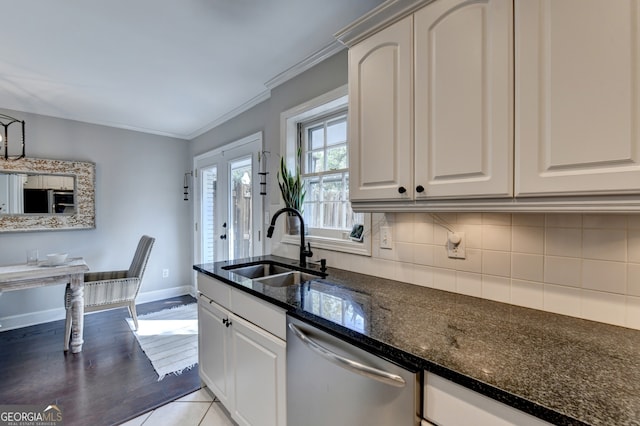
40,317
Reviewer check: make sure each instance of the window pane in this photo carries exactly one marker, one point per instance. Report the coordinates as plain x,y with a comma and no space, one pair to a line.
332,197
337,158
337,132
241,213
311,202
316,137
315,162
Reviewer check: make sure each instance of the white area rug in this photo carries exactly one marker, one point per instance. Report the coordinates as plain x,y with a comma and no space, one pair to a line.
169,338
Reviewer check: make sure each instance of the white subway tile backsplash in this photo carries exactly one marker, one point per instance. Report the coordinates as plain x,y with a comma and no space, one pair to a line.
472,263
404,252
604,307
633,279
527,293
528,219
604,276
469,219
565,242
439,234
423,229
585,266
496,263
496,237
633,312
503,219
424,254
423,276
496,288
561,220
604,244
633,221
528,267
633,246
469,283
608,221
472,235
444,279
563,270
528,239
403,229
441,258
562,300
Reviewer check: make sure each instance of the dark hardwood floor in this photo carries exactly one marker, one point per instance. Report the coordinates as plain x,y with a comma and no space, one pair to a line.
109,382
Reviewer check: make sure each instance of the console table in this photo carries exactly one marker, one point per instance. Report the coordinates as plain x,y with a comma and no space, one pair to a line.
19,277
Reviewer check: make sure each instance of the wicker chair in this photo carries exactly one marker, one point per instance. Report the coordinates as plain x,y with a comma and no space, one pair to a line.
112,289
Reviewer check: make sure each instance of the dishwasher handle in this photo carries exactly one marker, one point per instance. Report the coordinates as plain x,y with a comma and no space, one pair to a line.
349,364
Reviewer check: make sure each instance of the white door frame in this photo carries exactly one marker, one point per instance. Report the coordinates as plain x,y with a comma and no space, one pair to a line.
256,141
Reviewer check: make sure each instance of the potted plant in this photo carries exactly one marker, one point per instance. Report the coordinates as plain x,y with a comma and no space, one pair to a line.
293,193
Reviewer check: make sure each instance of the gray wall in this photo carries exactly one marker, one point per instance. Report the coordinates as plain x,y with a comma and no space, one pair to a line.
139,180
265,117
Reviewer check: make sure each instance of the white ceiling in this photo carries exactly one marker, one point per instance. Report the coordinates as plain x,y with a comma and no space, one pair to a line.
169,67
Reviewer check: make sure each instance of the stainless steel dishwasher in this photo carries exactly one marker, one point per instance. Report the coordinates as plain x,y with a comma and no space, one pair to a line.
331,382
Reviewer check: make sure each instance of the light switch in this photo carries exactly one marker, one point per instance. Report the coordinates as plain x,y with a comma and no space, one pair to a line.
386,241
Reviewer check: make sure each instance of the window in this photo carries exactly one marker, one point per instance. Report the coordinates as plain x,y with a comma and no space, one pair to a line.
325,172
318,131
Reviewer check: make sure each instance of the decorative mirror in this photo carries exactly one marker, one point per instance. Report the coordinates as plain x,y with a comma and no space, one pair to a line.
45,195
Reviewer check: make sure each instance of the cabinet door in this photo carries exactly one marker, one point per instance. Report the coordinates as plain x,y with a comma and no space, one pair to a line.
213,349
577,97
259,375
380,115
464,99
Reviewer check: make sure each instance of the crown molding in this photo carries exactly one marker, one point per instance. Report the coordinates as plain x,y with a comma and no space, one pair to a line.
263,96
307,63
375,20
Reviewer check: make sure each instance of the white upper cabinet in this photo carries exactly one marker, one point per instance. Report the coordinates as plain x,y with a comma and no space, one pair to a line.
577,94
380,114
445,131
495,105
464,99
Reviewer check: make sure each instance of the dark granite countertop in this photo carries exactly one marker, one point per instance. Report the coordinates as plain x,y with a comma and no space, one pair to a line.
561,369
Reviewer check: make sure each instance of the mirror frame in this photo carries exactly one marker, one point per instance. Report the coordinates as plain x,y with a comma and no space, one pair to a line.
84,217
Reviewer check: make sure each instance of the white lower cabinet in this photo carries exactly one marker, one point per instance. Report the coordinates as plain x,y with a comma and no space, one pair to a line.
243,364
448,404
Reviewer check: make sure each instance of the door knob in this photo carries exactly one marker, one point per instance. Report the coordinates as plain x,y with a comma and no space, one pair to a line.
402,190
420,188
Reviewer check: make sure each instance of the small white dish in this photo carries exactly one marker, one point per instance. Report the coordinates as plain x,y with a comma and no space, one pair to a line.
55,259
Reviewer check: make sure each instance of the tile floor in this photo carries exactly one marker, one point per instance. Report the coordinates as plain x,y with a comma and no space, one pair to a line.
196,409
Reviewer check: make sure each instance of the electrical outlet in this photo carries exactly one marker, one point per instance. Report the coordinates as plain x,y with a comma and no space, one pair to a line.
456,245
386,241
165,273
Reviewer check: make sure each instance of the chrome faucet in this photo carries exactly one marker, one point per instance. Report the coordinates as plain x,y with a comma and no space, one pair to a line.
305,251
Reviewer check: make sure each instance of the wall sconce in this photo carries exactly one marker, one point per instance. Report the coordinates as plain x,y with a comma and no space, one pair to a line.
7,121
262,160
187,176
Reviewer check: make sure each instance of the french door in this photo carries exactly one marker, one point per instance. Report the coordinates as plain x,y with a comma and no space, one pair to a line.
228,204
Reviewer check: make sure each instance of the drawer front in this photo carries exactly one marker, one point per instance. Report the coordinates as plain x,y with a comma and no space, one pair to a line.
447,403
215,290
260,313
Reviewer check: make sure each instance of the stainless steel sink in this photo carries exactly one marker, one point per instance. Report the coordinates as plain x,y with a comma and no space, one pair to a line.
258,271
287,279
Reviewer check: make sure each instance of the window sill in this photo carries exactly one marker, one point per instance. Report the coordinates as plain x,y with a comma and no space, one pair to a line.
332,244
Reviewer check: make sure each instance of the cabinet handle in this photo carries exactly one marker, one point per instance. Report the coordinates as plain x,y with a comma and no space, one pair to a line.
226,322
420,188
402,190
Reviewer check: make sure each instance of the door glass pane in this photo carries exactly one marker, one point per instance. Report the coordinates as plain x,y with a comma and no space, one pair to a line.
241,212
208,203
